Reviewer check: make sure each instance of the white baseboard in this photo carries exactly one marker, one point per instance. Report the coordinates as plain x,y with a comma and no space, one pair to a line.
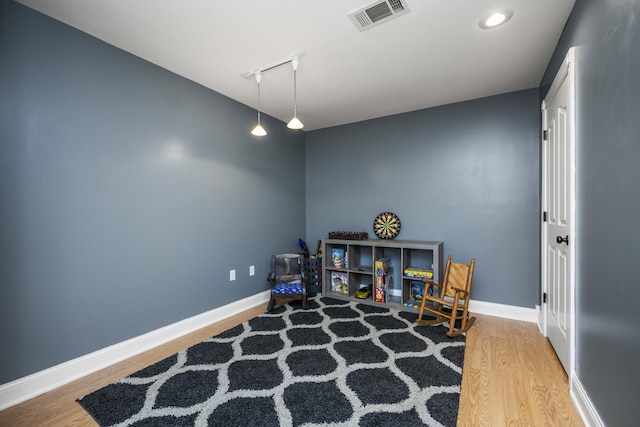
540,320
587,411
35,384
506,311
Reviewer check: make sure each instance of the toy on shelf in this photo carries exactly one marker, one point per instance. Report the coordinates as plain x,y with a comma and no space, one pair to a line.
339,282
418,273
338,257
417,291
349,235
381,279
364,292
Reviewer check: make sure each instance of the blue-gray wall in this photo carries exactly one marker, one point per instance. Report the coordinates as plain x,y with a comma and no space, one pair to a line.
466,174
127,194
607,33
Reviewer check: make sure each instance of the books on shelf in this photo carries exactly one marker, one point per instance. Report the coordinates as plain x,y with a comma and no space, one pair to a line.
339,282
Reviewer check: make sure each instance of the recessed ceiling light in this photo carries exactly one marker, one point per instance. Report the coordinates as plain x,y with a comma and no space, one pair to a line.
496,19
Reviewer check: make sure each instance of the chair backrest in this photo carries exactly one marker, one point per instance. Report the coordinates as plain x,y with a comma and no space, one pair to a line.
287,266
457,275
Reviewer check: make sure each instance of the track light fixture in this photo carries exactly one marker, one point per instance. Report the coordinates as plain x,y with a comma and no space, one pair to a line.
295,123
258,130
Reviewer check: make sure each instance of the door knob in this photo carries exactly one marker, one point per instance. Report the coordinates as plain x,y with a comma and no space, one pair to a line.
560,239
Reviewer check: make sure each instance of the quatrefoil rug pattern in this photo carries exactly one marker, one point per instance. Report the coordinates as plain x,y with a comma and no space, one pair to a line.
337,363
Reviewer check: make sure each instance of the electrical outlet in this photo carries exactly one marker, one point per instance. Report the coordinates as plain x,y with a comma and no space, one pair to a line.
232,275
252,270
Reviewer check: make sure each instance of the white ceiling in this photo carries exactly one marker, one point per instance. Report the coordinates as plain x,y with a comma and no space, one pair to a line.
436,54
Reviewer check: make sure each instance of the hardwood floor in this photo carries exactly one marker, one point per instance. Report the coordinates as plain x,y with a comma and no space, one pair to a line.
511,377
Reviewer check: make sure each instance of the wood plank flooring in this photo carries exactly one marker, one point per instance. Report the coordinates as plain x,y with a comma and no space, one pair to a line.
511,377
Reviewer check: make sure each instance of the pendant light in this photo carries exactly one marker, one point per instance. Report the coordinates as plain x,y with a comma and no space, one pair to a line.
295,123
258,130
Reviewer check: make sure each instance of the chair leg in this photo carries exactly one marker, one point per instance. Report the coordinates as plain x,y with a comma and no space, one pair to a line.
421,312
466,324
439,319
272,302
460,331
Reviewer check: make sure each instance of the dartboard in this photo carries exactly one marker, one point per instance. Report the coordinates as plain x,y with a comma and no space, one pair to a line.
386,225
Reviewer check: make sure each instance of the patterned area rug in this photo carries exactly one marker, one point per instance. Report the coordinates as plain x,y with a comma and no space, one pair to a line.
336,363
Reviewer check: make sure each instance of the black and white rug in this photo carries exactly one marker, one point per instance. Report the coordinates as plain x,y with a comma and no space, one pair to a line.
336,364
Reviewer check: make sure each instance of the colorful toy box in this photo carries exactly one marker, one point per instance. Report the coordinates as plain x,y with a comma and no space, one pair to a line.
339,282
416,291
382,264
338,257
418,273
381,271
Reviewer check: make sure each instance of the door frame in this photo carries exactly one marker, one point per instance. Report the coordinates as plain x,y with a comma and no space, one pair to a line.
567,71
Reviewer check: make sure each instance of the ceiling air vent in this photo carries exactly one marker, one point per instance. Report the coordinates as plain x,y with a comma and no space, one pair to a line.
378,13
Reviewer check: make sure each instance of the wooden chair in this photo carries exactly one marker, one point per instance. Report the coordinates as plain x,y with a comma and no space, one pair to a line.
452,301
288,279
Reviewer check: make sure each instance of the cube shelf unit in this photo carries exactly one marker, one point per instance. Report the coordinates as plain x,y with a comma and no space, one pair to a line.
360,256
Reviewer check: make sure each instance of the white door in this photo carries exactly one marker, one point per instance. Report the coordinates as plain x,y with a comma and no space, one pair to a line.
558,200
